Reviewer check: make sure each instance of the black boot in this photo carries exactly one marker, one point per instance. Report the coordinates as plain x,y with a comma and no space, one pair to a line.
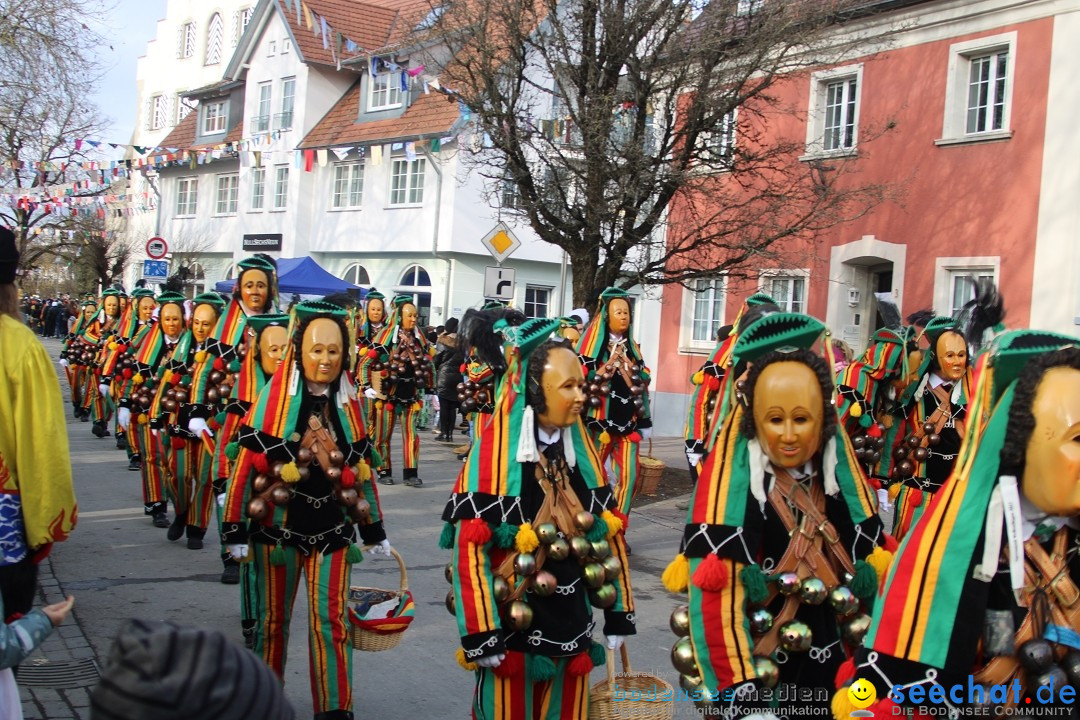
231,576
157,512
195,537
386,477
411,479
100,430
121,440
135,463
335,715
247,627
176,529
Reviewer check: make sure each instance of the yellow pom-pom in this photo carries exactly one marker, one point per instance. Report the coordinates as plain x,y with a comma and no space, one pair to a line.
416,406
676,577
605,438
137,378
290,473
614,523
143,418
880,560
894,490
698,378
363,472
113,345
459,655
526,541
856,410
200,356
166,376
841,705
379,404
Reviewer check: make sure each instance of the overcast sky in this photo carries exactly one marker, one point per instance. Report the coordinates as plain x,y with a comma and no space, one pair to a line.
131,25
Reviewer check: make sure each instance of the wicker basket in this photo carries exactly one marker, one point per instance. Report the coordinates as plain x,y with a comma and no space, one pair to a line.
651,472
370,641
634,689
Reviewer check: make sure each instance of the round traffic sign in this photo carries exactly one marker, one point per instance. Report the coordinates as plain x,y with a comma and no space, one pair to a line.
157,248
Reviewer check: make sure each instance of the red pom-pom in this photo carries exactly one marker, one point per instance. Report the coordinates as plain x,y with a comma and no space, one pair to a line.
845,673
712,574
372,354
213,424
127,373
262,465
581,665
890,544
118,376
712,382
463,368
884,707
175,379
634,437
513,665
178,442
219,364
475,531
875,430
348,477
389,407
916,496
122,348
874,483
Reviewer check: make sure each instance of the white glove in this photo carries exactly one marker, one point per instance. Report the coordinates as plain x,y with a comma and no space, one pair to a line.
198,426
491,661
693,458
883,500
103,389
154,432
614,642
645,433
381,548
123,416
238,552
221,500
64,362
371,394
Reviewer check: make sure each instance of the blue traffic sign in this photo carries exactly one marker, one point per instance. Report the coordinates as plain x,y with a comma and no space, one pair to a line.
155,270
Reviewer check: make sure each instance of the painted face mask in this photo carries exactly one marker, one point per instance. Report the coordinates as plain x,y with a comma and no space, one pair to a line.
375,311
146,308
788,413
112,306
618,316
564,389
254,290
172,320
272,342
321,351
1051,479
951,350
202,322
408,316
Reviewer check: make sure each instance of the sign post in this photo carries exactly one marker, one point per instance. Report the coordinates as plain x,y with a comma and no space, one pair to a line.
501,242
156,271
156,248
499,283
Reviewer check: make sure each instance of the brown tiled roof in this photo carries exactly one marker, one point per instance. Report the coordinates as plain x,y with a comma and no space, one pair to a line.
183,135
368,24
429,115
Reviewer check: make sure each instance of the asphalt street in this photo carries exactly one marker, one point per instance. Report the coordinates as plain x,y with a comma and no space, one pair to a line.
119,566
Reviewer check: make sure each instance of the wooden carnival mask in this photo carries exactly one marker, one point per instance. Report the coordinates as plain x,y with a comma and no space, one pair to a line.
951,351
202,322
375,310
1051,479
322,351
564,389
112,305
788,413
171,319
272,343
254,290
146,308
89,310
618,316
408,316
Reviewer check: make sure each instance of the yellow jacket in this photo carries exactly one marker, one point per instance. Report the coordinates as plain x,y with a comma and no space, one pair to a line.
33,436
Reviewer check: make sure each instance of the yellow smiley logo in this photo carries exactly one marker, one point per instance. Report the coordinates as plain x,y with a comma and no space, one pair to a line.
862,693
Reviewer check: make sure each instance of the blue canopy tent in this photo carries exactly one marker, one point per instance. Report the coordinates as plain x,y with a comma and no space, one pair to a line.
303,276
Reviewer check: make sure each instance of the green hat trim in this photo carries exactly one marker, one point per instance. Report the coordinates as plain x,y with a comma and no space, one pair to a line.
493,305
400,300
255,263
938,325
613,293
374,295
88,301
779,331
1012,351
528,335
212,299
142,292
171,296
760,299
112,292
311,309
258,323
886,336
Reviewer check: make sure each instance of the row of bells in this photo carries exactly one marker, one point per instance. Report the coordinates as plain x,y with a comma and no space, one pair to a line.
912,449
221,385
868,449
271,490
1037,658
473,394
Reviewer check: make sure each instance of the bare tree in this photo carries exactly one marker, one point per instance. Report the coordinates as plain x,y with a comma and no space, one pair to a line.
597,120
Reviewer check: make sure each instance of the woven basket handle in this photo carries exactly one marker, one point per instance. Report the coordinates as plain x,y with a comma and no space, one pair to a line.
650,447
611,666
401,567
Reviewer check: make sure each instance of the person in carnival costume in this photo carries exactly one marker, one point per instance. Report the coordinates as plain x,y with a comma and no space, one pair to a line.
374,321
399,356
96,403
781,553
76,357
537,540
110,351
268,338
146,397
617,409
300,490
983,593
120,365
190,453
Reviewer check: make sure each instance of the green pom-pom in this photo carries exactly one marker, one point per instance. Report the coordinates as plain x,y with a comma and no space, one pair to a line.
598,531
541,668
383,357
234,366
597,654
232,450
353,554
866,421
865,582
505,533
755,584
150,384
220,418
277,556
446,539
375,461
186,380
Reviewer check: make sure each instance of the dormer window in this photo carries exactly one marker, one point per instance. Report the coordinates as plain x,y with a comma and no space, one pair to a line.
214,117
385,85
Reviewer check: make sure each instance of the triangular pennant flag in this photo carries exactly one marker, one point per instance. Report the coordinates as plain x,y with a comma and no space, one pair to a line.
376,155
340,153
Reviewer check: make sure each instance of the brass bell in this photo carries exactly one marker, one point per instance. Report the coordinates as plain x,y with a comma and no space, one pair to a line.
581,547
525,564
594,575
584,520
601,549
787,583
348,497
766,671
612,567
761,621
547,533
559,549
260,483
448,573
304,472
843,601
812,591
544,583
795,636
680,621
333,474
275,470
854,630
303,455
682,657
690,683
361,511
280,495
604,596
337,458
451,603
212,395
921,454
257,509
500,588
520,615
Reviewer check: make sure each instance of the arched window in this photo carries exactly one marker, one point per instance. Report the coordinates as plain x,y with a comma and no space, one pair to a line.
230,272
415,281
195,279
356,274
215,36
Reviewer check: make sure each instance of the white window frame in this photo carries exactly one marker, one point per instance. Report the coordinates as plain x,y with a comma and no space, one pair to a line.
713,291
525,303
954,126
286,46
215,117
816,116
243,17
260,122
288,104
215,40
411,193
766,277
946,269
226,193
384,91
159,111
271,48
281,188
188,40
509,195
347,186
187,196
718,148
258,189
355,269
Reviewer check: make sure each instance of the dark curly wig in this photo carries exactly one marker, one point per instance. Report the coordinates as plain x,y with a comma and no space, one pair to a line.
478,339
534,388
298,341
1021,419
812,361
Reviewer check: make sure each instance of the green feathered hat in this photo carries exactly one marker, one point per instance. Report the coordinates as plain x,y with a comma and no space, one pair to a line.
141,292
112,292
311,309
210,298
171,297
760,298
493,305
258,323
